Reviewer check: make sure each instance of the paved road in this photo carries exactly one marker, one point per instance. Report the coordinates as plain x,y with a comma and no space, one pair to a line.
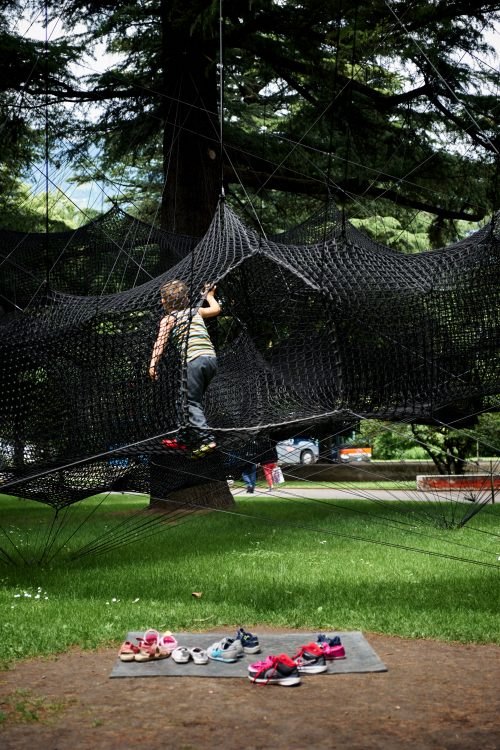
360,494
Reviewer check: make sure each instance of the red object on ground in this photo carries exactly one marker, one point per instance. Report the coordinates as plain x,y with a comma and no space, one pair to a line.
458,482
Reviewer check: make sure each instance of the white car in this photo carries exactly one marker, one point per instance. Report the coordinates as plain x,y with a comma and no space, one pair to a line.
298,451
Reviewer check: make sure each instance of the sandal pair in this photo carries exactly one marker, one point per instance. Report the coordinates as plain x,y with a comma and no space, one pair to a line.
155,646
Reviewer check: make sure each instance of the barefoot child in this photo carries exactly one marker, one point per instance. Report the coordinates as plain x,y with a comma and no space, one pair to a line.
180,322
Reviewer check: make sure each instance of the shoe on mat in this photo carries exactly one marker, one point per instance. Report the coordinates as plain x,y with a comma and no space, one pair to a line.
153,646
150,648
127,651
199,655
335,641
250,490
275,670
259,666
224,651
249,641
167,641
180,655
235,643
332,647
310,659
150,637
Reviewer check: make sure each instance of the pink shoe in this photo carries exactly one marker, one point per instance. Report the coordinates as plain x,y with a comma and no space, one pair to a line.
174,444
333,652
261,666
150,637
332,647
127,651
150,647
275,670
168,642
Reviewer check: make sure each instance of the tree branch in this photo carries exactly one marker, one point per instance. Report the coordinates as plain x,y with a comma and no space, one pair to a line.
305,186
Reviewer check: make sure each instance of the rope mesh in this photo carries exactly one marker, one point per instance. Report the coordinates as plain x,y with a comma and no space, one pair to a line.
319,326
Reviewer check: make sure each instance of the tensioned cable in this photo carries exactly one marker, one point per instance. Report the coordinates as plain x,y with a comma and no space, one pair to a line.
221,96
134,535
144,521
310,128
111,540
401,509
120,249
333,507
126,530
379,173
152,90
354,537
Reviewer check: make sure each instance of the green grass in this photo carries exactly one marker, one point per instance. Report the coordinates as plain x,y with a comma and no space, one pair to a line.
297,566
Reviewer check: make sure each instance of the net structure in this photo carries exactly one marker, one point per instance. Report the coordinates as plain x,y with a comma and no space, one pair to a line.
319,326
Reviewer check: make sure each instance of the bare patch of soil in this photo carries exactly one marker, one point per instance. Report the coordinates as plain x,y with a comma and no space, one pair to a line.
435,695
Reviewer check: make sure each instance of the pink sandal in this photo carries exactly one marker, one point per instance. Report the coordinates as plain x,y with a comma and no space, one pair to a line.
167,641
150,647
128,651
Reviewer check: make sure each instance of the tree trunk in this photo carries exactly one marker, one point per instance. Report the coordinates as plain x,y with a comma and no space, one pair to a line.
191,161
191,148
176,488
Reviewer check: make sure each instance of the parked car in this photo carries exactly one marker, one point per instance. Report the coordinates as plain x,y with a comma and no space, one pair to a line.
298,451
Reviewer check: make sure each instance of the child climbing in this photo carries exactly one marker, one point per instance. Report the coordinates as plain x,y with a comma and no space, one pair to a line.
182,321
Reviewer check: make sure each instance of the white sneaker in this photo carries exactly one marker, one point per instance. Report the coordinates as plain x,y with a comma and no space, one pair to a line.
199,655
180,655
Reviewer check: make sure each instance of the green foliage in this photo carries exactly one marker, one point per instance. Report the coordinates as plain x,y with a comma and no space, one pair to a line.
448,447
389,441
413,234
487,434
315,94
24,211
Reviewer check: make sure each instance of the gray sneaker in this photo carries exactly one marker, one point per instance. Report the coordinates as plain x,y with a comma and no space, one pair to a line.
223,651
236,643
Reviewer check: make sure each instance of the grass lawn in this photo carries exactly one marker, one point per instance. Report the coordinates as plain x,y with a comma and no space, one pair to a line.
295,565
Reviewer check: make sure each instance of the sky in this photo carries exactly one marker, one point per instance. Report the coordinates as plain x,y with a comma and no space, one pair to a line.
87,195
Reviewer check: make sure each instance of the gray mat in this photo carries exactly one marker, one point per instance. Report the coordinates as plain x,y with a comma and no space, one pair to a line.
360,657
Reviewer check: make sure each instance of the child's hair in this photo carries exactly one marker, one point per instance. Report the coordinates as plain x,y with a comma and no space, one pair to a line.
174,295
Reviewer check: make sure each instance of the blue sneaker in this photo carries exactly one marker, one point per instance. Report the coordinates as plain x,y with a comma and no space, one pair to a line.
249,642
335,641
223,651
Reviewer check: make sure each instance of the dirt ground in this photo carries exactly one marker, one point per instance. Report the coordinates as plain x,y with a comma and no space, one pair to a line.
434,695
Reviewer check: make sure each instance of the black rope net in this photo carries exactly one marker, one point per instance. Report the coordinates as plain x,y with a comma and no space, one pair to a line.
319,327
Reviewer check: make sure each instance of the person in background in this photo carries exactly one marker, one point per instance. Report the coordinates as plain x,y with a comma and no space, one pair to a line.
249,476
269,461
